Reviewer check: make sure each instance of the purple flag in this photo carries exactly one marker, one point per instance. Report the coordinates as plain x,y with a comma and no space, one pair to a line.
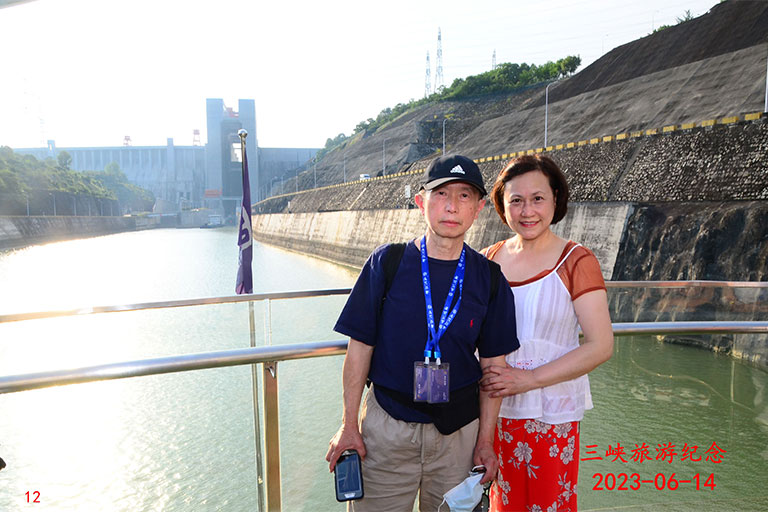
244,236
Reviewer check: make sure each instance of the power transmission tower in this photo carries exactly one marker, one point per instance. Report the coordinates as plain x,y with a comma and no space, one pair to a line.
493,64
439,70
428,79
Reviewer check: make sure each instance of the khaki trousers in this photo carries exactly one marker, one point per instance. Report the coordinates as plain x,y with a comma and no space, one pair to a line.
405,459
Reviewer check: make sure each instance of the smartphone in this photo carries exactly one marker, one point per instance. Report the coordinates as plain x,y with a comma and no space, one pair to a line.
348,476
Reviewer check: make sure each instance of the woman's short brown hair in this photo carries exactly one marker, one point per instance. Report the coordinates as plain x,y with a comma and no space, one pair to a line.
528,163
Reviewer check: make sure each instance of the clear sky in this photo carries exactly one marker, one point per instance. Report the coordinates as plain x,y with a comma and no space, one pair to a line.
89,72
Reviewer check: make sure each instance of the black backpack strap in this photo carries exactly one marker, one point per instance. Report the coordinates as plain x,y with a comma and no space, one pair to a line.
495,276
390,264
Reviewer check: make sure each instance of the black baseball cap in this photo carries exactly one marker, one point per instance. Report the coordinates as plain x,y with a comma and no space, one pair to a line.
453,168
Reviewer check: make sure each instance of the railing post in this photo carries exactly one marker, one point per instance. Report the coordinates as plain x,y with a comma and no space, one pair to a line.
272,436
256,416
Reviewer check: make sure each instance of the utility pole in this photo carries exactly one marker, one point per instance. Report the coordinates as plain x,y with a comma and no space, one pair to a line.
315,171
546,112
345,167
383,158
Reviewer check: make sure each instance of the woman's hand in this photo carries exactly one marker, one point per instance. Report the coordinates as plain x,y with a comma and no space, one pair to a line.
500,381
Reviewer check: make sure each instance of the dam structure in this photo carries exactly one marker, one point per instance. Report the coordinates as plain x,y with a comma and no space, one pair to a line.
195,176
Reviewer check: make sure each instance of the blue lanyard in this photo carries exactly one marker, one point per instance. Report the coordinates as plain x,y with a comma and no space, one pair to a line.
433,337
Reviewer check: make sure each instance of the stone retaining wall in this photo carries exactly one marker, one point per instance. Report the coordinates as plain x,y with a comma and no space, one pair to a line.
714,163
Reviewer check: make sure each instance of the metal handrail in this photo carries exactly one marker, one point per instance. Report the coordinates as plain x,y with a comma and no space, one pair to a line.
170,364
228,299
269,356
235,357
686,284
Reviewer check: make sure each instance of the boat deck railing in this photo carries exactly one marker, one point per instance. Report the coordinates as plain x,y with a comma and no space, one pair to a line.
269,356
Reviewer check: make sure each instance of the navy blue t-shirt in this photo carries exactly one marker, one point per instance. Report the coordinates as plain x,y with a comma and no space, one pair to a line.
399,333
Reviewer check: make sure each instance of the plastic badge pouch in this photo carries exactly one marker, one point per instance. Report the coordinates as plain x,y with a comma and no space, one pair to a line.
439,383
420,381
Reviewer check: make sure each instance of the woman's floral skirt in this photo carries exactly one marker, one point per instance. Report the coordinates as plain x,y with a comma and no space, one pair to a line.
538,466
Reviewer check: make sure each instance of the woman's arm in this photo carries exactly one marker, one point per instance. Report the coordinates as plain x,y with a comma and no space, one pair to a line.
596,348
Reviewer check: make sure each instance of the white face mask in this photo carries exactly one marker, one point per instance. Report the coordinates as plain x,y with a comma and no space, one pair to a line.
466,495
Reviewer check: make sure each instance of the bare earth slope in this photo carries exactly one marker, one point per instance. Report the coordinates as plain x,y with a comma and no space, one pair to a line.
709,67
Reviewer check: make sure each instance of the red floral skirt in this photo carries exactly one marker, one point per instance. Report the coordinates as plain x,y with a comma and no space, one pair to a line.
538,466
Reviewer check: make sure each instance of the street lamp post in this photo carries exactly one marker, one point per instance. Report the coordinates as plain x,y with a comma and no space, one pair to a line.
444,120
272,184
765,106
383,158
546,112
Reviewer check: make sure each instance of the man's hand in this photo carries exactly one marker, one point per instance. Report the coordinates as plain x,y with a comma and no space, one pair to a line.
485,456
345,439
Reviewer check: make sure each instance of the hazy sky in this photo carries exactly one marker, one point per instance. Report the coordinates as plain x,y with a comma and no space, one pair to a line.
89,72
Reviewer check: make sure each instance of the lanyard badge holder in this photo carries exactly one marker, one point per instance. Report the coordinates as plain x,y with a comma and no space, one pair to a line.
431,380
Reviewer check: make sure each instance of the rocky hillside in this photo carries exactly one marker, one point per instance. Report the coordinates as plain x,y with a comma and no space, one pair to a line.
709,67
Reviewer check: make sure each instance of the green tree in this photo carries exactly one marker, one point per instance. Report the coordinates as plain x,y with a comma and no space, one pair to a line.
568,65
64,159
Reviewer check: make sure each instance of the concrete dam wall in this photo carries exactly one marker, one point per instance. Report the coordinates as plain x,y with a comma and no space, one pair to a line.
348,237
18,232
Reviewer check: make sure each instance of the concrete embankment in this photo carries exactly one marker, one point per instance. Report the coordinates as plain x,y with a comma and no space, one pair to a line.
18,232
348,237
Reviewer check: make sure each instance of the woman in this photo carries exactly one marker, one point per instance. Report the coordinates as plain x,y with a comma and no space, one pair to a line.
558,287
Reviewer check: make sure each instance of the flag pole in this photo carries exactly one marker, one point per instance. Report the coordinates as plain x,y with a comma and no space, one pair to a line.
245,285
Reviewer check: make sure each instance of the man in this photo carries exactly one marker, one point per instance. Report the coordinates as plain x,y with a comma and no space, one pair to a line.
424,423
